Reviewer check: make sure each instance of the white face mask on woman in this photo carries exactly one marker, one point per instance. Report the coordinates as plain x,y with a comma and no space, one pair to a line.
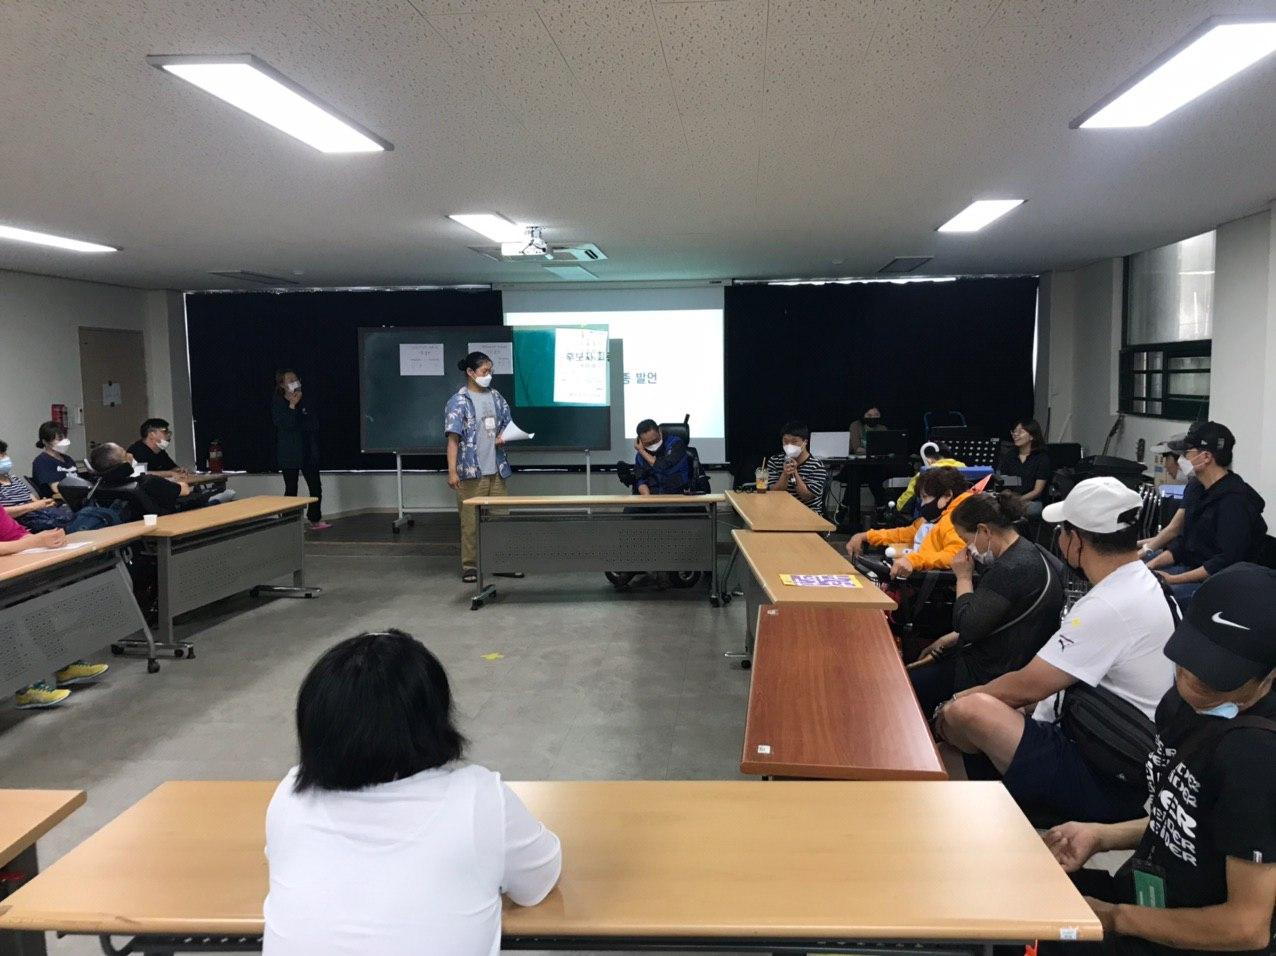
981,557
62,444
482,381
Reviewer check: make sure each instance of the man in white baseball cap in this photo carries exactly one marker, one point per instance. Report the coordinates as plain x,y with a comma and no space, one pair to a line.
1095,684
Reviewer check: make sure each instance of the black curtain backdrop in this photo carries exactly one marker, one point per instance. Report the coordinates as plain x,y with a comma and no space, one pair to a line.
237,340
823,354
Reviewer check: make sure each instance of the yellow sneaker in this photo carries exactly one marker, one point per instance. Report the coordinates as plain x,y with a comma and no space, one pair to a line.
80,672
40,695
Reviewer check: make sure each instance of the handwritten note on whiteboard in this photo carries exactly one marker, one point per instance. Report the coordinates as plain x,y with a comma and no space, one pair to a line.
421,358
501,354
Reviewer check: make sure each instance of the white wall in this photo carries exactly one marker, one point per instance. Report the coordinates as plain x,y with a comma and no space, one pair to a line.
1081,322
40,318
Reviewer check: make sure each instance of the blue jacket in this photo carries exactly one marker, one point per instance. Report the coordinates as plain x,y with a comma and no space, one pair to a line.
671,474
461,419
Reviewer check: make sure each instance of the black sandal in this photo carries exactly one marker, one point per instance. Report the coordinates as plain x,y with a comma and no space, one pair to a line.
470,576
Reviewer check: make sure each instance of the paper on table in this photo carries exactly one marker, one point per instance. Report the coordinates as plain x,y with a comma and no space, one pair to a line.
514,433
69,546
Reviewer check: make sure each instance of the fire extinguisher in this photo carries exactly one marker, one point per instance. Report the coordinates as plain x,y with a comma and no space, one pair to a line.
215,456
58,414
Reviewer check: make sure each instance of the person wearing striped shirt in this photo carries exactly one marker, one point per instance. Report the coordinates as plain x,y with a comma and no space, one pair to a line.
797,471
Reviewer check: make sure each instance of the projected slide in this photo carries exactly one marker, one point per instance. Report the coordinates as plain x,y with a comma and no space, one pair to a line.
673,366
560,367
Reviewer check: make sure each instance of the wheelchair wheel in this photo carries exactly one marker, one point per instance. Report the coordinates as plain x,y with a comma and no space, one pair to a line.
619,579
685,579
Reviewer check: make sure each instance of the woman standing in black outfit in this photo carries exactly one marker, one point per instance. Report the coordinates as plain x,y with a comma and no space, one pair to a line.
999,626
297,443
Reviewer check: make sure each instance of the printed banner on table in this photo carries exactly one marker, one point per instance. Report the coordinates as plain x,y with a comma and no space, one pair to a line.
821,580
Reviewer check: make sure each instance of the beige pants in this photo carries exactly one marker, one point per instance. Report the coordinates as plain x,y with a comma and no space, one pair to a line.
487,486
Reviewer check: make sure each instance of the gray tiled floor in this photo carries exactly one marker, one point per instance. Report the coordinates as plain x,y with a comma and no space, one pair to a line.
592,685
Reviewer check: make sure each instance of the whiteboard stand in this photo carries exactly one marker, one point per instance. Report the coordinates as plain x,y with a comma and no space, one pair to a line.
404,517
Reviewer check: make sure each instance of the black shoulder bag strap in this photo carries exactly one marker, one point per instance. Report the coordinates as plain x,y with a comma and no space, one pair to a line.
1040,597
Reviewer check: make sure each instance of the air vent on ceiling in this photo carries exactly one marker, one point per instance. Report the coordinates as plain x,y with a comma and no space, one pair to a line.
256,278
568,252
904,264
576,273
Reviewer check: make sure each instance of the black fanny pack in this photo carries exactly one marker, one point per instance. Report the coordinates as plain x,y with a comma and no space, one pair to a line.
1112,735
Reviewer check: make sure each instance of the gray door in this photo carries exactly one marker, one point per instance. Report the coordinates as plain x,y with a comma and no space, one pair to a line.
113,378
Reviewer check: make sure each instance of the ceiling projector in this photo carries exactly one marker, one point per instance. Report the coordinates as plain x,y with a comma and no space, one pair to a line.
531,245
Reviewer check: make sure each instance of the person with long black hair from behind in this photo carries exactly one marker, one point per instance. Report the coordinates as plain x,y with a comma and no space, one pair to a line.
381,840
999,625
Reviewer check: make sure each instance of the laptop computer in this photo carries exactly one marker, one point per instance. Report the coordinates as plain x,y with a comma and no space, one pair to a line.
831,445
886,442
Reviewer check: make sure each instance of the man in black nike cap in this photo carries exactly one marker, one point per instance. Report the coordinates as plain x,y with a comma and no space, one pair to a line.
1203,876
1222,515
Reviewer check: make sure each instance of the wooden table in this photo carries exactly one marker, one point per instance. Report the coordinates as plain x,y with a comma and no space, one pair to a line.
206,554
776,511
827,866
25,816
61,606
830,698
770,554
596,533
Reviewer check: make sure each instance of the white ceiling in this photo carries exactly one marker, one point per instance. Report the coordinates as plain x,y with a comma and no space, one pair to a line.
690,140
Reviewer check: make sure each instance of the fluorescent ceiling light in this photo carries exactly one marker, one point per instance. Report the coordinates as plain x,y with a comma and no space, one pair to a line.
496,228
57,242
260,90
979,214
1218,50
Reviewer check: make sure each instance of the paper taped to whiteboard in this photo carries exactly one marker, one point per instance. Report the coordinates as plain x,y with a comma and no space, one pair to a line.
580,366
421,358
501,354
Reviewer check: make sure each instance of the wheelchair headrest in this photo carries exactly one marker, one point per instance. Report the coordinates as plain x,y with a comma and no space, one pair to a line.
678,430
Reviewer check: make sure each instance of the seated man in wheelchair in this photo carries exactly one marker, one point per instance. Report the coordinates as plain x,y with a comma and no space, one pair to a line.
661,465
930,542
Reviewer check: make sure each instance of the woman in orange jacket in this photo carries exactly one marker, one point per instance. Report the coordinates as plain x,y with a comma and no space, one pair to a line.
941,490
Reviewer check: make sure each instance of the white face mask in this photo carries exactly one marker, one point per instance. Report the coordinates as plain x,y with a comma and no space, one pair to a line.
62,444
293,386
792,451
982,557
482,381
656,447
1185,467
162,444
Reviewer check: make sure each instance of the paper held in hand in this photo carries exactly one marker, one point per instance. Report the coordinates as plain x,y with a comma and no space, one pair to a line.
514,433
821,580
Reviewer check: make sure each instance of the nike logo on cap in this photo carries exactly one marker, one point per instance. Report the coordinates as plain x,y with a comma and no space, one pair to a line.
1219,619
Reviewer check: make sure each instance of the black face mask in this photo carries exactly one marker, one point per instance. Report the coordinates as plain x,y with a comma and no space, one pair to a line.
931,511
118,474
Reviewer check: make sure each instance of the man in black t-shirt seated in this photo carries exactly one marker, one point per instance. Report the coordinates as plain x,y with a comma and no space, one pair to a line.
1203,875
151,449
154,495
1222,515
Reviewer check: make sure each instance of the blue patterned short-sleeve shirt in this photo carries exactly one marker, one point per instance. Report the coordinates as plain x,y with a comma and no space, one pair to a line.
461,419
